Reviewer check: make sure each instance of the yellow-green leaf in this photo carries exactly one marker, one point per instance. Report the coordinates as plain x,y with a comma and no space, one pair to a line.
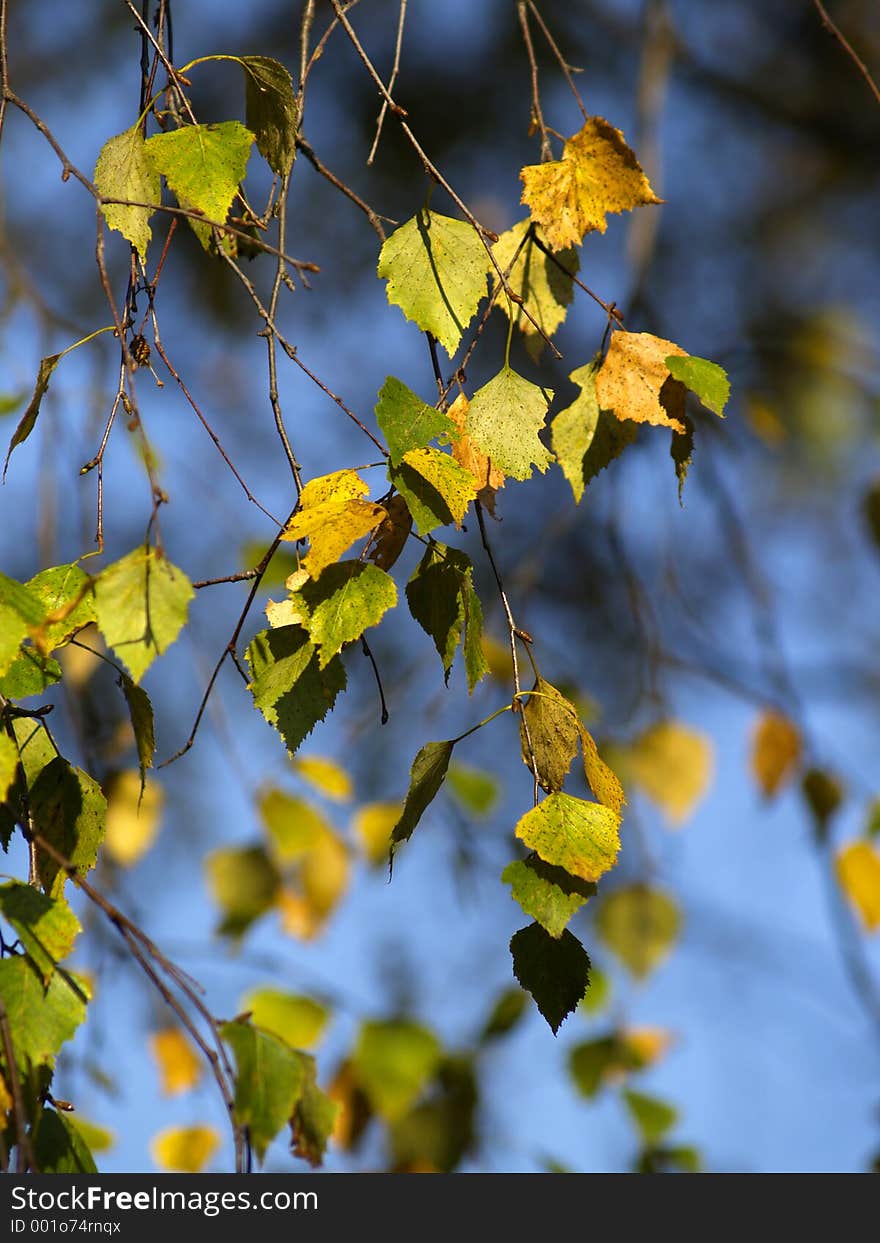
672,764
299,1021
573,834
504,419
268,1083
203,165
326,776
46,927
543,283
134,811
244,883
290,687
180,1067
393,1062
142,603
436,489
436,270
124,171
640,925
406,421
549,894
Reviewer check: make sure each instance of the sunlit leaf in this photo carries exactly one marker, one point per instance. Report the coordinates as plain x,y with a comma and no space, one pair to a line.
858,873
436,489
124,171
504,419
487,476
184,1149
142,603
28,420
332,514
704,378
406,421
65,591
180,1067
269,1081
299,1021
547,893
597,175
203,165
672,764
543,283
289,686
69,811
436,271
41,1017
46,927
347,599
573,834
635,383
326,776
134,812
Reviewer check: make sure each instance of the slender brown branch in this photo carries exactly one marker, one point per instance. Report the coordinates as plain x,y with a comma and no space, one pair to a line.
394,71
841,38
367,650
373,217
610,308
537,114
513,631
567,69
280,274
240,577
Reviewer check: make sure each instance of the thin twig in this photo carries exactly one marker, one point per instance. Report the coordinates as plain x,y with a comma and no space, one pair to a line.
848,48
280,274
537,114
373,217
566,68
383,716
394,71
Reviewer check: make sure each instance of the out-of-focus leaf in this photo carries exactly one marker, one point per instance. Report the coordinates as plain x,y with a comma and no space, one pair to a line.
640,925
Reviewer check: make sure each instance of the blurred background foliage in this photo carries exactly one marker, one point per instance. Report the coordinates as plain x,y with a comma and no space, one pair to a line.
734,1018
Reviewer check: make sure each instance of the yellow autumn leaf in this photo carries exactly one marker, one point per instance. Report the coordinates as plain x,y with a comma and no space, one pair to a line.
179,1066
597,175
325,776
648,1044
132,819
858,873
776,751
634,381
487,477
602,780
5,1098
184,1149
320,882
372,826
672,764
332,515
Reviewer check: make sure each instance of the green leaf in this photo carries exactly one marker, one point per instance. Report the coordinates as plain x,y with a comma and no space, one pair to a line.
652,1117
69,810
59,1148
124,171
47,928
35,747
313,1118
438,1133
342,602
573,429
140,712
436,489
823,795
393,1062
678,1159
245,883
554,732
203,165
271,112
681,450
406,421
41,1018
442,600
598,995
13,629
871,829
593,1062
28,420
473,788
503,420
576,835
299,1021
543,286
436,271
556,971
288,684
425,778
505,1014
269,1080
29,674
142,603
18,598
706,379
640,925
64,590
8,765
549,894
